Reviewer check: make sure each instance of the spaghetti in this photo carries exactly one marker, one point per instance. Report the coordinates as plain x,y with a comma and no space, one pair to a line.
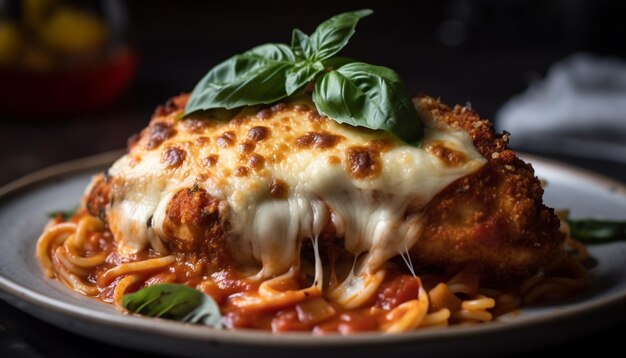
82,253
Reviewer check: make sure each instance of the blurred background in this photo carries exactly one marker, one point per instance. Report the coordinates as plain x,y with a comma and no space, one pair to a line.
79,77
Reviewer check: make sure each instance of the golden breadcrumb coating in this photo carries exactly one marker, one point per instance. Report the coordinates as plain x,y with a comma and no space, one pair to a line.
492,221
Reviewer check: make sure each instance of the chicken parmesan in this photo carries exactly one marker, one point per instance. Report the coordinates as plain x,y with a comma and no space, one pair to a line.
297,191
290,221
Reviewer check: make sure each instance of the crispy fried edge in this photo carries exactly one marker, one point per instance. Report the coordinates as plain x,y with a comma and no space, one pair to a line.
531,229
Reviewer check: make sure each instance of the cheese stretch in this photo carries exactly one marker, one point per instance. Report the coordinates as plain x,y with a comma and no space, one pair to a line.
283,175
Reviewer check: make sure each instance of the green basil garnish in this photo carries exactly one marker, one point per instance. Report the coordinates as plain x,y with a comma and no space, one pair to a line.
176,302
369,96
329,38
301,74
255,77
346,91
593,231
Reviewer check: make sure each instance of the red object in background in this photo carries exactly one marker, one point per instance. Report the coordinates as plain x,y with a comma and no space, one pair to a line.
77,90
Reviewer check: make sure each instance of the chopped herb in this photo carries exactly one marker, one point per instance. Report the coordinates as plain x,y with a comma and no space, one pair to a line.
65,214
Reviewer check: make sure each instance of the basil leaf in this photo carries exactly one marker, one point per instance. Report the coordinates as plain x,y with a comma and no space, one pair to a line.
355,93
369,96
176,302
301,45
208,313
172,301
597,231
65,214
333,34
255,77
300,75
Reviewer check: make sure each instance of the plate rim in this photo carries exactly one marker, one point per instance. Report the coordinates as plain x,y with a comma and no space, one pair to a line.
292,339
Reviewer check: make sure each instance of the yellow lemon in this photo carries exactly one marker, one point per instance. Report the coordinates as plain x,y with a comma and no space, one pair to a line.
73,32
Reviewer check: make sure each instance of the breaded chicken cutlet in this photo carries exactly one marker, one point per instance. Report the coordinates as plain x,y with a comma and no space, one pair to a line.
494,220
489,218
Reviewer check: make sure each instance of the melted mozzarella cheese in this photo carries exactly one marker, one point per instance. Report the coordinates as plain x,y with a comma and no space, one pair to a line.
370,212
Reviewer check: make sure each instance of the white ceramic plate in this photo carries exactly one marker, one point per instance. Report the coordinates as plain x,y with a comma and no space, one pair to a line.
23,208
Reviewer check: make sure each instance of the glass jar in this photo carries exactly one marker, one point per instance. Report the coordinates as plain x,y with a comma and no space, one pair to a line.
61,56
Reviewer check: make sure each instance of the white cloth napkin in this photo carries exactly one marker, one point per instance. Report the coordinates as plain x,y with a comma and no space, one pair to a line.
579,109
